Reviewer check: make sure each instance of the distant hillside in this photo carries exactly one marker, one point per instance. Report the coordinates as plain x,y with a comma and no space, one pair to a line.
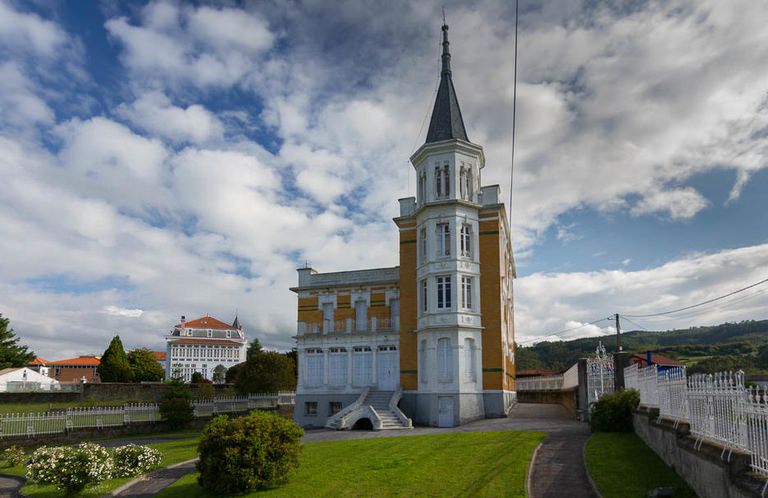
736,340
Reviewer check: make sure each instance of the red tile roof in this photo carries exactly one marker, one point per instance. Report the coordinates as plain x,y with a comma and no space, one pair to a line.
207,322
159,355
206,341
38,361
534,372
81,361
658,359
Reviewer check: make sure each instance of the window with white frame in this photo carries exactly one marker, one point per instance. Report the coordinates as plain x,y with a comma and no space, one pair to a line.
423,245
444,360
466,292
438,181
444,292
469,359
423,187
446,181
327,318
314,370
362,367
466,240
465,182
361,315
423,361
424,295
443,239
337,367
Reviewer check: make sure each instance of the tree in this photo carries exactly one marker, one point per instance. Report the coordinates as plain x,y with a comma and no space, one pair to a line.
233,373
219,374
762,357
144,366
253,350
266,372
197,378
176,404
11,353
114,365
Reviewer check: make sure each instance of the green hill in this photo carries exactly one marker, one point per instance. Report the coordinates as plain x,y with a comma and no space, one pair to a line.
728,345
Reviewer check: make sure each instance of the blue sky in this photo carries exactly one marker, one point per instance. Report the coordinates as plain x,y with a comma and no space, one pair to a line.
166,158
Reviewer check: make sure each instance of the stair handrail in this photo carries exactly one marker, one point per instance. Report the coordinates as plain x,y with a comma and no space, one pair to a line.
340,417
377,423
393,401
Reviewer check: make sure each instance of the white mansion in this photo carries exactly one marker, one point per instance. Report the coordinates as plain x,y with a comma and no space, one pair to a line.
202,345
430,341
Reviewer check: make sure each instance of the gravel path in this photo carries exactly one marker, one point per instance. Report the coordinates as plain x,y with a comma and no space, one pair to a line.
10,485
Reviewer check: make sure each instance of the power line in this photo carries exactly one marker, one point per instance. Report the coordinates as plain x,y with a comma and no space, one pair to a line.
632,322
698,304
514,115
543,337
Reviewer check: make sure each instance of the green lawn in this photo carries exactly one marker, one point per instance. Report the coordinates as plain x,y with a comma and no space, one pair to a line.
622,466
179,450
456,464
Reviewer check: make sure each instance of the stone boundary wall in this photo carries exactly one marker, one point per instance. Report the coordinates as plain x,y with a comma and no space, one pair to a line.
107,391
703,469
566,397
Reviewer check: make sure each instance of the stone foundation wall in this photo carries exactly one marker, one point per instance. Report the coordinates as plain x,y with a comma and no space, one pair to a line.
709,475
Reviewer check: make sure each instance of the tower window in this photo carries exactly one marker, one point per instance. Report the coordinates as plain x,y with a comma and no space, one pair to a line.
442,181
444,292
466,293
444,360
423,245
422,187
443,240
466,240
465,183
469,359
423,365
424,302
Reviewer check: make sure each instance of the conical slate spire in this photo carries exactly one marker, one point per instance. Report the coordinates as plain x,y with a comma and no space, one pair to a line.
236,323
446,122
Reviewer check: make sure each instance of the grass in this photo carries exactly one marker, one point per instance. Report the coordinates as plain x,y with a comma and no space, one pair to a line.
622,466
461,463
57,405
181,449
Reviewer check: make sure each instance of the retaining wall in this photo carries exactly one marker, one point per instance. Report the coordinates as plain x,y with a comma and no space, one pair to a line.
107,391
566,398
709,475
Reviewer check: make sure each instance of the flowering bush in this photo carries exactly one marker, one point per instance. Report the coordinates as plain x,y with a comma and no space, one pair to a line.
13,456
70,468
131,460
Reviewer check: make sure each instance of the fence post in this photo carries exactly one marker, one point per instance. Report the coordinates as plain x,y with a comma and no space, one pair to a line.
621,360
582,407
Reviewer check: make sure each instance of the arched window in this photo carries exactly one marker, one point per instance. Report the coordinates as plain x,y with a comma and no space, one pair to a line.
469,359
444,360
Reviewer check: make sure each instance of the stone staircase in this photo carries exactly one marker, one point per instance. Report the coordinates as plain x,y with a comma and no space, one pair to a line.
380,407
380,401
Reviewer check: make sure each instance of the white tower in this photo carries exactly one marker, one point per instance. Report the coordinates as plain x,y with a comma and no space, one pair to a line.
449,325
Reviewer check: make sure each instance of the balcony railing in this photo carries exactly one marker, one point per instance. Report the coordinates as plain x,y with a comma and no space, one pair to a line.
348,326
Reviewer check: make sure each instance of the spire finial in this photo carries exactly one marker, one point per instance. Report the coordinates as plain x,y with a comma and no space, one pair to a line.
446,52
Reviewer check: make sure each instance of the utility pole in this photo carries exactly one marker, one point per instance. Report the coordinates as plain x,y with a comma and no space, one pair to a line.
618,333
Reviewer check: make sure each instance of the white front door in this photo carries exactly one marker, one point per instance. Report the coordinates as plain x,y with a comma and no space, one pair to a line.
445,411
386,363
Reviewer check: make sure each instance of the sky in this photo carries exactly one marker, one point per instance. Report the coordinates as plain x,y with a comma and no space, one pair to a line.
163,158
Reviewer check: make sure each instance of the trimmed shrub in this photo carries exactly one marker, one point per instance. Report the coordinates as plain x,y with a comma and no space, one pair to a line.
12,456
131,460
613,412
70,468
254,452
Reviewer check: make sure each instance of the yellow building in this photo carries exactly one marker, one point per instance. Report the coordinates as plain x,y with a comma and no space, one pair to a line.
430,341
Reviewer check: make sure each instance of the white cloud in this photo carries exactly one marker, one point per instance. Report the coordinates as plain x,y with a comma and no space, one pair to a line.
118,311
154,113
203,46
29,32
19,103
681,204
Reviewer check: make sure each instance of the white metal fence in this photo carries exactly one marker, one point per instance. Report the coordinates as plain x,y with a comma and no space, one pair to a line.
718,407
59,421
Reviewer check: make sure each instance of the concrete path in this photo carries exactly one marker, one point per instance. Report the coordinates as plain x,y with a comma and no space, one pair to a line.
10,485
155,481
558,469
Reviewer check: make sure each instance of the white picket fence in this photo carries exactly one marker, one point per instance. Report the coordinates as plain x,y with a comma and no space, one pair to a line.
56,422
718,407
